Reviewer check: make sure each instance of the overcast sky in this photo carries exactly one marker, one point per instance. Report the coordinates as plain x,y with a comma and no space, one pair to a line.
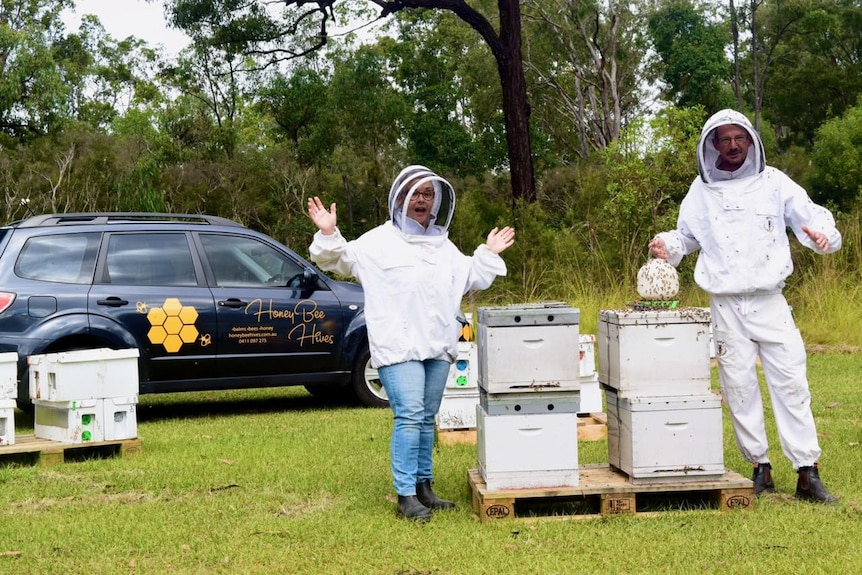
124,18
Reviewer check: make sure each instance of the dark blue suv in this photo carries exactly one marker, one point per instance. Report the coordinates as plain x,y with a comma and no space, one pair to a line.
210,304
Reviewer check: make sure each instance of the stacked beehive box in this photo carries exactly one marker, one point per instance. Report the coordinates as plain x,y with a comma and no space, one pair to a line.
85,396
529,400
664,422
8,393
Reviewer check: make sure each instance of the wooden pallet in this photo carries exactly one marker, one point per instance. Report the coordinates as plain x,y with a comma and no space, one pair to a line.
592,426
34,450
603,491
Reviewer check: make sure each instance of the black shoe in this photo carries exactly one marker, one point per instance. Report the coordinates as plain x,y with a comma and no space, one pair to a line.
410,508
762,478
429,499
810,488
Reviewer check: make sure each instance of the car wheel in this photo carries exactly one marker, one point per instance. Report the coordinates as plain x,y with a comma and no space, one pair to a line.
367,386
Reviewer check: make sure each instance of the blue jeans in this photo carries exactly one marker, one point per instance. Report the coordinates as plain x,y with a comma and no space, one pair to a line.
415,390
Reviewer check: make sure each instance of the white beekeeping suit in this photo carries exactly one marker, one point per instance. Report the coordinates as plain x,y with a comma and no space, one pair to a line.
737,217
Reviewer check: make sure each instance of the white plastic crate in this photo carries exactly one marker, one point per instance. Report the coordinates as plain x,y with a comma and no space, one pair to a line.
655,353
458,411
463,373
120,417
7,422
84,374
658,439
525,451
79,421
8,375
529,348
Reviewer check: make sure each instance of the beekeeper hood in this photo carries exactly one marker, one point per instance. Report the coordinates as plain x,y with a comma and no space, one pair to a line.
442,208
707,154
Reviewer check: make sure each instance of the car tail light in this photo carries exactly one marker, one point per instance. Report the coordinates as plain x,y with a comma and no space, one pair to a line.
6,300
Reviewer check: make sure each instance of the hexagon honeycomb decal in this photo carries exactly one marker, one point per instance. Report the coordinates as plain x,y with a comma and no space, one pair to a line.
172,325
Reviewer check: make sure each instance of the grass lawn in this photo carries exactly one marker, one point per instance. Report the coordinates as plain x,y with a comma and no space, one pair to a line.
275,481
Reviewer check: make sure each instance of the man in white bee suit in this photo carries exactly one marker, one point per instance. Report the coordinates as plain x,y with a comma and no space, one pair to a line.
414,279
736,213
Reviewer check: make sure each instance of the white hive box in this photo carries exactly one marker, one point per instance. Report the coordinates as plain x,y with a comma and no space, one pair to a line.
528,348
84,374
79,421
120,417
657,353
463,373
591,392
8,375
7,422
458,411
658,439
525,451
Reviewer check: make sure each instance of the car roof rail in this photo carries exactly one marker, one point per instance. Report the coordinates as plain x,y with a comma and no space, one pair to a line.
122,217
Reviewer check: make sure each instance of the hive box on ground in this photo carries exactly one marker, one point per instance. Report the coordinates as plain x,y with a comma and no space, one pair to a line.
7,422
79,421
527,451
458,410
657,353
8,375
658,439
120,417
84,374
528,348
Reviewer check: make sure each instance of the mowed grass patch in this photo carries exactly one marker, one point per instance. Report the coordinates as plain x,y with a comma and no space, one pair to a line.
275,481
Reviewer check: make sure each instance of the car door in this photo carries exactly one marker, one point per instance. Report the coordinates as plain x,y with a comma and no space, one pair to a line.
149,283
268,325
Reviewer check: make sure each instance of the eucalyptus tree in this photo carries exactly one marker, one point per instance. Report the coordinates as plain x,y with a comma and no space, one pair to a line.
447,78
301,27
814,51
32,91
691,55
584,58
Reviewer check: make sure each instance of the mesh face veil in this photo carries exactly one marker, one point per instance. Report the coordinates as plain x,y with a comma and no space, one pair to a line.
405,187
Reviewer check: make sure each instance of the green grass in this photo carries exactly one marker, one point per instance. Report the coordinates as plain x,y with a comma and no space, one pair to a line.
275,481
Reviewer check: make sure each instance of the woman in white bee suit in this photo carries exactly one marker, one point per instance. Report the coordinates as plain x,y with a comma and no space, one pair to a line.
414,279
736,213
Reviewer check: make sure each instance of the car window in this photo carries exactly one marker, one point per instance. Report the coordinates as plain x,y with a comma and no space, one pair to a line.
62,258
149,259
247,262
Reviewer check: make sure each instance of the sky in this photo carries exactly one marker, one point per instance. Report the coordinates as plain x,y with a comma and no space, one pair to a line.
124,18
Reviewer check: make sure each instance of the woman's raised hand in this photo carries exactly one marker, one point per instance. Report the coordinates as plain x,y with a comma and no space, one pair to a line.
324,219
499,240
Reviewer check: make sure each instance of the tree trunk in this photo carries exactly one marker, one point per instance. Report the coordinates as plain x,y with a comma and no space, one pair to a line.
516,108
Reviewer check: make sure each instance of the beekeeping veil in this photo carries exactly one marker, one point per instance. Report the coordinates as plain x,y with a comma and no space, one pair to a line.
707,155
442,208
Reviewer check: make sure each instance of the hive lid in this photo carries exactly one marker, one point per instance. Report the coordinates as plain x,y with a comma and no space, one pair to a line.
656,316
545,313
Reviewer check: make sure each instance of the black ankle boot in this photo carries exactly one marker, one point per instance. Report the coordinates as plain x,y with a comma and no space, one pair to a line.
762,479
429,499
409,507
810,488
